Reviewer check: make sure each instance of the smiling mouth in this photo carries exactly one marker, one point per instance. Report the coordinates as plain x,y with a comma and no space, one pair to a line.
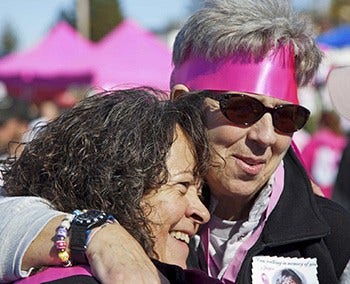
180,236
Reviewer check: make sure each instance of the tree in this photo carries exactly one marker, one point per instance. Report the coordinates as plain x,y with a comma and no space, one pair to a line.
105,15
9,40
99,17
68,15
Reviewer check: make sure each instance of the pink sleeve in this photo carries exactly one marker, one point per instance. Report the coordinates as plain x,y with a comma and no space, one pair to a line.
54,273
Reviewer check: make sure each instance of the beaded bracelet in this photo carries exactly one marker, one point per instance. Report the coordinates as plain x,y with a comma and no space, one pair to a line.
60,243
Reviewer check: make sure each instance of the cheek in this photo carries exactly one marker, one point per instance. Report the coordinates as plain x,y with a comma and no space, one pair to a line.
164,218
282,144
221,132
224,135
166,214
279,150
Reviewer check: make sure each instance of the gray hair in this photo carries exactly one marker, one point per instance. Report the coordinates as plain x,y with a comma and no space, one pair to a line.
223,27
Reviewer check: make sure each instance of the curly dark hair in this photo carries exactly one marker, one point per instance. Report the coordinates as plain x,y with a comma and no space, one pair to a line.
106,153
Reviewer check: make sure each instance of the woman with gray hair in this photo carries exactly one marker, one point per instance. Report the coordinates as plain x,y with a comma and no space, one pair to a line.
249,58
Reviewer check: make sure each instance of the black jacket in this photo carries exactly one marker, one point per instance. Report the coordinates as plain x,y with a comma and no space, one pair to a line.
302,225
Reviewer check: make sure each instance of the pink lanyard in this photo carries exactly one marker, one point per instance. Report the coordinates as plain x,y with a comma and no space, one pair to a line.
230,274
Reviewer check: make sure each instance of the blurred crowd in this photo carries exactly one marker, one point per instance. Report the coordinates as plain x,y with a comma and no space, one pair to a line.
20,119
323,141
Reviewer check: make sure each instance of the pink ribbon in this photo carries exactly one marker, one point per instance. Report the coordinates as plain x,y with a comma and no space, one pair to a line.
272,76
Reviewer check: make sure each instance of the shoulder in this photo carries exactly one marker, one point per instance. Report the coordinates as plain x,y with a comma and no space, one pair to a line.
334,214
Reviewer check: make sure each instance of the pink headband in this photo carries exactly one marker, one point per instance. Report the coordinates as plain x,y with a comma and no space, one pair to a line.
272,76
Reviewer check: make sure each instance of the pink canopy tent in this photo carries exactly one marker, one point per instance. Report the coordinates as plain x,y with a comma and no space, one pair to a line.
131,56
50,67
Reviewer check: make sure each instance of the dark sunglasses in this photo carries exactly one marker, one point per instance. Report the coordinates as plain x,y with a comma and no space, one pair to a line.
244,110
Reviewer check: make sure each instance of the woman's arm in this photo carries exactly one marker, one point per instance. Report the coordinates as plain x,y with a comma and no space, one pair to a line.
27,229
22,219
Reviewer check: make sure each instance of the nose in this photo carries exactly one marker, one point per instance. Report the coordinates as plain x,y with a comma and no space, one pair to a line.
263,131
197,210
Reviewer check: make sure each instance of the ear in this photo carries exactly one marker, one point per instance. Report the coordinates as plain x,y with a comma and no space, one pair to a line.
177,90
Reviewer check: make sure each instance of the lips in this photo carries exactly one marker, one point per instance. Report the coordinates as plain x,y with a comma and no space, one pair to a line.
249,165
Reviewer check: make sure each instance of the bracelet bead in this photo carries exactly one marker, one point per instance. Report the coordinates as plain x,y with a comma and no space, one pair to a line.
66,223
60,243
62,232
63,256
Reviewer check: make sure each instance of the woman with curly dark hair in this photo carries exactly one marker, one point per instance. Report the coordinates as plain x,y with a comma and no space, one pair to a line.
128,153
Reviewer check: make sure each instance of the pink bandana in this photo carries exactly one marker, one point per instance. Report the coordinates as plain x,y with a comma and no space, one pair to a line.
272,76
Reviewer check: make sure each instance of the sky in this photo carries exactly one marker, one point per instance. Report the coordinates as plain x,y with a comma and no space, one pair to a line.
31,19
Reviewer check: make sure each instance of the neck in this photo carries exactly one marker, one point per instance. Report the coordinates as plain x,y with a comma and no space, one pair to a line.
234,208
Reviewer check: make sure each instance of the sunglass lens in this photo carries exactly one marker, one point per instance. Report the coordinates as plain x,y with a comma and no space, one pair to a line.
290,118
242,110
245,111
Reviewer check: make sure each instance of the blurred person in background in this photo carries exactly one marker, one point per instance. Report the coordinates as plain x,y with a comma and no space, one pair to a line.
339,90
15,119
341,192
322,153
48,110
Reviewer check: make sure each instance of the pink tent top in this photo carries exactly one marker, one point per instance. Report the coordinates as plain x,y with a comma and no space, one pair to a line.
56,55
131,56
46,70
127,56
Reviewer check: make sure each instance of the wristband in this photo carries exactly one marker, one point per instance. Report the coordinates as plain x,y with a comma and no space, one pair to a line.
81,227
